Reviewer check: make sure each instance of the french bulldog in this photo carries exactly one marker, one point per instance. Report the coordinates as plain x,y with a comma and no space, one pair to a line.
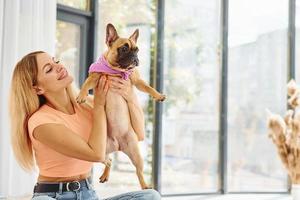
120,59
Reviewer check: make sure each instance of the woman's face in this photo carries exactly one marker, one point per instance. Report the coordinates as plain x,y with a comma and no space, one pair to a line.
52,76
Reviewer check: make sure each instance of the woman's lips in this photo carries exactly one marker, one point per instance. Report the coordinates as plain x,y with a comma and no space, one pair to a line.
63,75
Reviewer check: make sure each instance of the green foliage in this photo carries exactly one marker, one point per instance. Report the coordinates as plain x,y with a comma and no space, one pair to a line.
183,86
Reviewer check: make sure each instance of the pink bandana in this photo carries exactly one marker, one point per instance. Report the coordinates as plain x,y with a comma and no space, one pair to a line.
102,66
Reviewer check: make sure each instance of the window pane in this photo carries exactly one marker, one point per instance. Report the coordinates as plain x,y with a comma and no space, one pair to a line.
191,83
256,80
79,4
68,47
123,15
297,53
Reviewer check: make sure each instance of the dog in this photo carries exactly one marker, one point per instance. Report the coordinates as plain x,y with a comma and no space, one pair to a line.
119,59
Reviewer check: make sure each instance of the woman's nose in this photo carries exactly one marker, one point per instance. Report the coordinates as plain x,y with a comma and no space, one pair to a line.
58,68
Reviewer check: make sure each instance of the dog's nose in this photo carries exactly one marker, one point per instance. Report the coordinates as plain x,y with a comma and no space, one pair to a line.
136,62
136,50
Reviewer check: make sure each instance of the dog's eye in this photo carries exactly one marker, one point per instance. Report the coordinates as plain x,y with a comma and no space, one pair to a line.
124,48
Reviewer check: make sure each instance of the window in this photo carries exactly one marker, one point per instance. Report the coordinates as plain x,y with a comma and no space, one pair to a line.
197,154
68,46
257,71
75,35
84,5
190,133
297,45
127,16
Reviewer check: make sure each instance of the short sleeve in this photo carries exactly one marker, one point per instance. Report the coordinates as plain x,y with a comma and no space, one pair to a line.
40,118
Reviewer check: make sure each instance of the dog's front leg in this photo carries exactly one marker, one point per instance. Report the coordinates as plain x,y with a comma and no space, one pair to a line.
88,84
143,86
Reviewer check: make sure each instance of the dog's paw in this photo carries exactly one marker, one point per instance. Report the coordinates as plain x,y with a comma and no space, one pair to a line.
103,178
145,187
161,97
81,97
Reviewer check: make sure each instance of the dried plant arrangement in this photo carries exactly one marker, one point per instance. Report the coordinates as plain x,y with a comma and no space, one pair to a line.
285,133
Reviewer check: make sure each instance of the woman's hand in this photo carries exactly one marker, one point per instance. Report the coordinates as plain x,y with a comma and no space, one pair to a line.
122,87
125,89
100,92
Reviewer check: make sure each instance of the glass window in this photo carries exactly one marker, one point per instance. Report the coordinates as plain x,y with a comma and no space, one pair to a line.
297,53
190,130
127,16
257,77
79,4
68,47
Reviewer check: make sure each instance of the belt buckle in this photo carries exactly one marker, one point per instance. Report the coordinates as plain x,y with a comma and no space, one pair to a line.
77,184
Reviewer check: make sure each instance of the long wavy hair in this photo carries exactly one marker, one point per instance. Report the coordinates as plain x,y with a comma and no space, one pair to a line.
23,103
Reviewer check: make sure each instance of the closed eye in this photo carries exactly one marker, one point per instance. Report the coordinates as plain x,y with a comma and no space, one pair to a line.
49,69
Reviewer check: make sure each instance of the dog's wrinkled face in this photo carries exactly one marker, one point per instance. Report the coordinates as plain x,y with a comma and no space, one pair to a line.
122,52
127,55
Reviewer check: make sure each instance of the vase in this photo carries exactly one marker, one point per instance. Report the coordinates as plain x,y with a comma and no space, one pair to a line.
296,191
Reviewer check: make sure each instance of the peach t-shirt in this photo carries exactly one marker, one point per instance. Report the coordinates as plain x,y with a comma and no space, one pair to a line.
50,162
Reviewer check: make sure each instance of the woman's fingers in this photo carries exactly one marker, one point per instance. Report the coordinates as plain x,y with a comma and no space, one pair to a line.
101,82
123,88
120,84
116,79
106,87
114,84
116,91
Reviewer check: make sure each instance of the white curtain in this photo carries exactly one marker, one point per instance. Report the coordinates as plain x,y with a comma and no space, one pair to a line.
25,26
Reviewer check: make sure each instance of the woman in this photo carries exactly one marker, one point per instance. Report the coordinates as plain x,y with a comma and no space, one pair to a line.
65,138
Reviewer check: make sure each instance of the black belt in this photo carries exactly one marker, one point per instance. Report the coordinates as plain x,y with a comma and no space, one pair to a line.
66,186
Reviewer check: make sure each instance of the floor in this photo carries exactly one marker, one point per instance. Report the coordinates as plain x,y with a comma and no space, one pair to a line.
213,197
234,197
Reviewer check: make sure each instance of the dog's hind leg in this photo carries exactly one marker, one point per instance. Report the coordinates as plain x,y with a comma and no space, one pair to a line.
131,149
105,175
111,146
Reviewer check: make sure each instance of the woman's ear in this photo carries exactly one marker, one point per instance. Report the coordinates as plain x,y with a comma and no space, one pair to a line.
38,90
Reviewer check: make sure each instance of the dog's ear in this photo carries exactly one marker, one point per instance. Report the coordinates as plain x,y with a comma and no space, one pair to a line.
135,35
111,34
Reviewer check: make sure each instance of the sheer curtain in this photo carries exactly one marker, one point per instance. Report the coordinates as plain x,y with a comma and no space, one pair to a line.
25,26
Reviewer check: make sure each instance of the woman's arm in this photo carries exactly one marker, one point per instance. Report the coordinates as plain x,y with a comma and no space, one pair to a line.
124,88
63,140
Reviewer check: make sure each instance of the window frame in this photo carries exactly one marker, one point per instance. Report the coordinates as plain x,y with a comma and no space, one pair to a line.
86,20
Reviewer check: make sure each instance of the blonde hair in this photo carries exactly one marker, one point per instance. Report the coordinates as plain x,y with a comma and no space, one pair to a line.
23,103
